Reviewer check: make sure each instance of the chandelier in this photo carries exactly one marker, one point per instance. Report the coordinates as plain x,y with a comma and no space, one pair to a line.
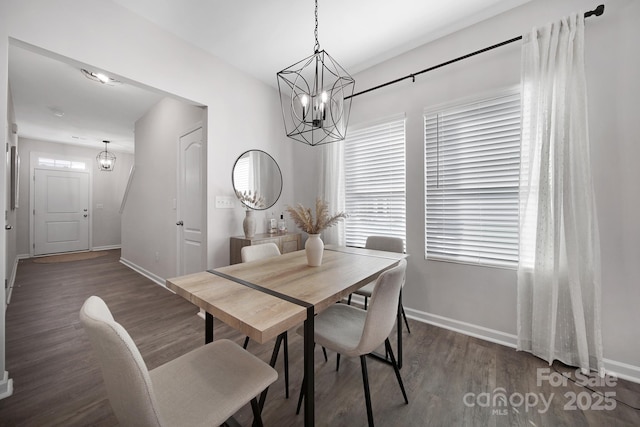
315,95
106,160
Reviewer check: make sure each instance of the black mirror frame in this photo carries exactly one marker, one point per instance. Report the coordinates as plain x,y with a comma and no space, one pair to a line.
233,183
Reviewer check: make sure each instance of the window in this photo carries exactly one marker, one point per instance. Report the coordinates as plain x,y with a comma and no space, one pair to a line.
472,167
59,163
374,164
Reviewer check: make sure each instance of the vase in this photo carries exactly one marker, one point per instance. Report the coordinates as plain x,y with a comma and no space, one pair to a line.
249,224
314,247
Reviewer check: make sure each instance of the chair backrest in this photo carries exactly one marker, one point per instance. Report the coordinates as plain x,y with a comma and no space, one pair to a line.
384,243
383,308
265,250
125,374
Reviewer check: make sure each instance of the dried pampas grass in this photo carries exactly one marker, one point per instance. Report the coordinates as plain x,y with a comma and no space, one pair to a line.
303,218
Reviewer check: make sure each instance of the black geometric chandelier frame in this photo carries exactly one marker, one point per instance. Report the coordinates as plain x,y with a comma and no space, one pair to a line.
106,160
315,95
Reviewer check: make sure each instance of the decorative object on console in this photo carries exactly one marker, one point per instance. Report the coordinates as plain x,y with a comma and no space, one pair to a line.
304,219
282,225
249,224
315,94
272,225
251,201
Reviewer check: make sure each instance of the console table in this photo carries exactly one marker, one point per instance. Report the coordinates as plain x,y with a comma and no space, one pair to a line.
289,242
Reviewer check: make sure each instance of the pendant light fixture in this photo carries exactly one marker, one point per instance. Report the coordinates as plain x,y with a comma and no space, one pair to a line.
106,160
315,94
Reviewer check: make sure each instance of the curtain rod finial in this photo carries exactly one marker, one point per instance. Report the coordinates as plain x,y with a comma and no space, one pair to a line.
595,12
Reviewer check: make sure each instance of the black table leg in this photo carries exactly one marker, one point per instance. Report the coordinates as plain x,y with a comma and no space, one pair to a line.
399,329
208,328
309,398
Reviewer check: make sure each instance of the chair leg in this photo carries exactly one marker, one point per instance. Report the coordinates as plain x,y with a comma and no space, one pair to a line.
272,363
387,345
405,319
324,351
301,395
367,394
246,343
286,365
365,302
257,417
349,300
337,362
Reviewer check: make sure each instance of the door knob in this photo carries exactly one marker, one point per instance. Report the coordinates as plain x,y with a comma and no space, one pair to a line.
180,223
8,227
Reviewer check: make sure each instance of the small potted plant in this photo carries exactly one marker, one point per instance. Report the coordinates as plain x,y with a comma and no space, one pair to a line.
304,220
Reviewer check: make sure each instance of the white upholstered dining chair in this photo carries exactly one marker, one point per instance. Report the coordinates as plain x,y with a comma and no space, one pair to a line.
201,388
262,251
382,243
354,332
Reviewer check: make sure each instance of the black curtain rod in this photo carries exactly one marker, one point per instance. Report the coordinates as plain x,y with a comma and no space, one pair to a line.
595,12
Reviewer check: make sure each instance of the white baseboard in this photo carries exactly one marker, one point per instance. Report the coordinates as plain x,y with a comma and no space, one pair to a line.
612,367
6,386
622,370
106,248
470,329
149,275
12,279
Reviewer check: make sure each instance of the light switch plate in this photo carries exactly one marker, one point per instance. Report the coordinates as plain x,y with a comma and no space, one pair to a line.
225,202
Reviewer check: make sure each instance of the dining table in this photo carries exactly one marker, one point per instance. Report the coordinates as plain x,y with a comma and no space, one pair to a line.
264,298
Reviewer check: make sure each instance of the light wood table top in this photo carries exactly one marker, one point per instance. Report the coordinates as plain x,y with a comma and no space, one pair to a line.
262,316
341,273
256,314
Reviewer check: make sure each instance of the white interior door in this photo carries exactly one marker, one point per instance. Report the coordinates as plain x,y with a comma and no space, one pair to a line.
61,211
191,186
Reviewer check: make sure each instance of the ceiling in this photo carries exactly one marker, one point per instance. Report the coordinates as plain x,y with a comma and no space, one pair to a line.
54,101
257,36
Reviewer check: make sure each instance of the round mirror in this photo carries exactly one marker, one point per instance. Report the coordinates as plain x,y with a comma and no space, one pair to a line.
257,179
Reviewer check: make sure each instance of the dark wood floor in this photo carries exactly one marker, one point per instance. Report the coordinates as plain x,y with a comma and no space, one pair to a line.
57,380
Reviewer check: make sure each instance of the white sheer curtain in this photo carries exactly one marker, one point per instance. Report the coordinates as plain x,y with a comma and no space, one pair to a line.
559,270
332,188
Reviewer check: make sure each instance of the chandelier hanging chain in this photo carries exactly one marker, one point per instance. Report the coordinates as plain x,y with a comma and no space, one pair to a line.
317,45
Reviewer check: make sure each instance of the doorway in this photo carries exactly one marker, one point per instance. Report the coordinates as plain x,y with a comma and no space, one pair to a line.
60,211
191,195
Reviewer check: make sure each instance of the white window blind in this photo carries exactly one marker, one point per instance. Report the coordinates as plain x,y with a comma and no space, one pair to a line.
374,159
472,166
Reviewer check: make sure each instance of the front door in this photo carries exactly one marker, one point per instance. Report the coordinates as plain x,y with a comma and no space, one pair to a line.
190,218
61,211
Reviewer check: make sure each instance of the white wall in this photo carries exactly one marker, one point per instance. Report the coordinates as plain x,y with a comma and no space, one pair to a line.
6,384
107,189
11,257
242,112
482,300
149,218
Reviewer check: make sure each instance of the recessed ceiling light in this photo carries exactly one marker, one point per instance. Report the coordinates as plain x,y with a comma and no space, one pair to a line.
99,77
56,111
